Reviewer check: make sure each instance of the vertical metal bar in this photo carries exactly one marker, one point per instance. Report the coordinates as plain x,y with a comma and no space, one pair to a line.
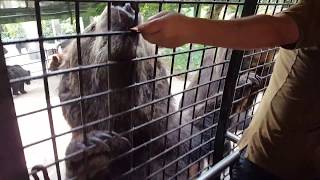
80,78
136,7
111,123
13,163
155,71
169,99
282,6
221,82
77,14
256,10
153,92
229,89
179,10
193,116
207,93
184,88
196,94
168,110
267,8
120,76
46,86
206,103
275,7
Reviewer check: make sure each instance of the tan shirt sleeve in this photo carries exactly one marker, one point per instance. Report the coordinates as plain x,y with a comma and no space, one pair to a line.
306,14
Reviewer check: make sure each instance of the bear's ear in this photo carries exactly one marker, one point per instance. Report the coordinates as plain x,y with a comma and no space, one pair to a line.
56,61
55,58
60,58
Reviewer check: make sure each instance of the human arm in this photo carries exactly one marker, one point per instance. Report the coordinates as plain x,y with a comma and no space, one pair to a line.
261,31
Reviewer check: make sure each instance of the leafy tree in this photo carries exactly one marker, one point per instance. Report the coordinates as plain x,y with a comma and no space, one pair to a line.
68,26
12,31
95,10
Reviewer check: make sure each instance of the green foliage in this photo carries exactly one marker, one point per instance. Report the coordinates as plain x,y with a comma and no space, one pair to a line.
12,31
47,28
68,27
181,60
95,10
170,7
65,24
147,9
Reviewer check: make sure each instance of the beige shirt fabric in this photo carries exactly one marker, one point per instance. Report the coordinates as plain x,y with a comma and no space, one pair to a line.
284,135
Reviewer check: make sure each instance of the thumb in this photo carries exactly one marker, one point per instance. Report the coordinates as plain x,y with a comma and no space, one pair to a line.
162,13
149,27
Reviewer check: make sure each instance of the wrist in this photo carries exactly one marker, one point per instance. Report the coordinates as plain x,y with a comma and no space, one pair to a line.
193,30
188,29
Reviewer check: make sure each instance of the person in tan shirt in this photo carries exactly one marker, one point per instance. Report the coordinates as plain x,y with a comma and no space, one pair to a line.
283,140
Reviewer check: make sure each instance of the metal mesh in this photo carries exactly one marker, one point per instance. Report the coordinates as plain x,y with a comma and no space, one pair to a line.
188,89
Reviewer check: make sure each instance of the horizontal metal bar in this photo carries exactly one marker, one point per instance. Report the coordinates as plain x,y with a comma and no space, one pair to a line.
171,148
251,93
260,52
146,143
144,105
191,164
9,58
240,122
122,89
275,4
43,14
91,66
161,1
26,64
82,35
232,137
256,67
254,104
220,166
131,110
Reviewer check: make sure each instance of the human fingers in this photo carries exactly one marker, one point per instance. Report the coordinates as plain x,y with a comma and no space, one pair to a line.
149,27
160,40
153,38
162,13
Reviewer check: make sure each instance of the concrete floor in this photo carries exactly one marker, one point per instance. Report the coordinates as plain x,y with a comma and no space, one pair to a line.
36,127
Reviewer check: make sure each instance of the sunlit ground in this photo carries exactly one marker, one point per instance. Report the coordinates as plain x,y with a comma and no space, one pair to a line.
36,127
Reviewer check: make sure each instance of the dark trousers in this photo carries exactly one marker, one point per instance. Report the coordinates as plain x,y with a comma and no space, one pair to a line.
243,169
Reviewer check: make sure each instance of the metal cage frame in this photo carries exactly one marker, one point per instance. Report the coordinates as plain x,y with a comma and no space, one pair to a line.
13,163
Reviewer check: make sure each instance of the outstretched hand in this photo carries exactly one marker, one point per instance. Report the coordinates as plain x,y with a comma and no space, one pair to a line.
166,29
169,29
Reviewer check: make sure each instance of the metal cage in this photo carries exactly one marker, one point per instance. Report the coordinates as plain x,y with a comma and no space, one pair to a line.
232,83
